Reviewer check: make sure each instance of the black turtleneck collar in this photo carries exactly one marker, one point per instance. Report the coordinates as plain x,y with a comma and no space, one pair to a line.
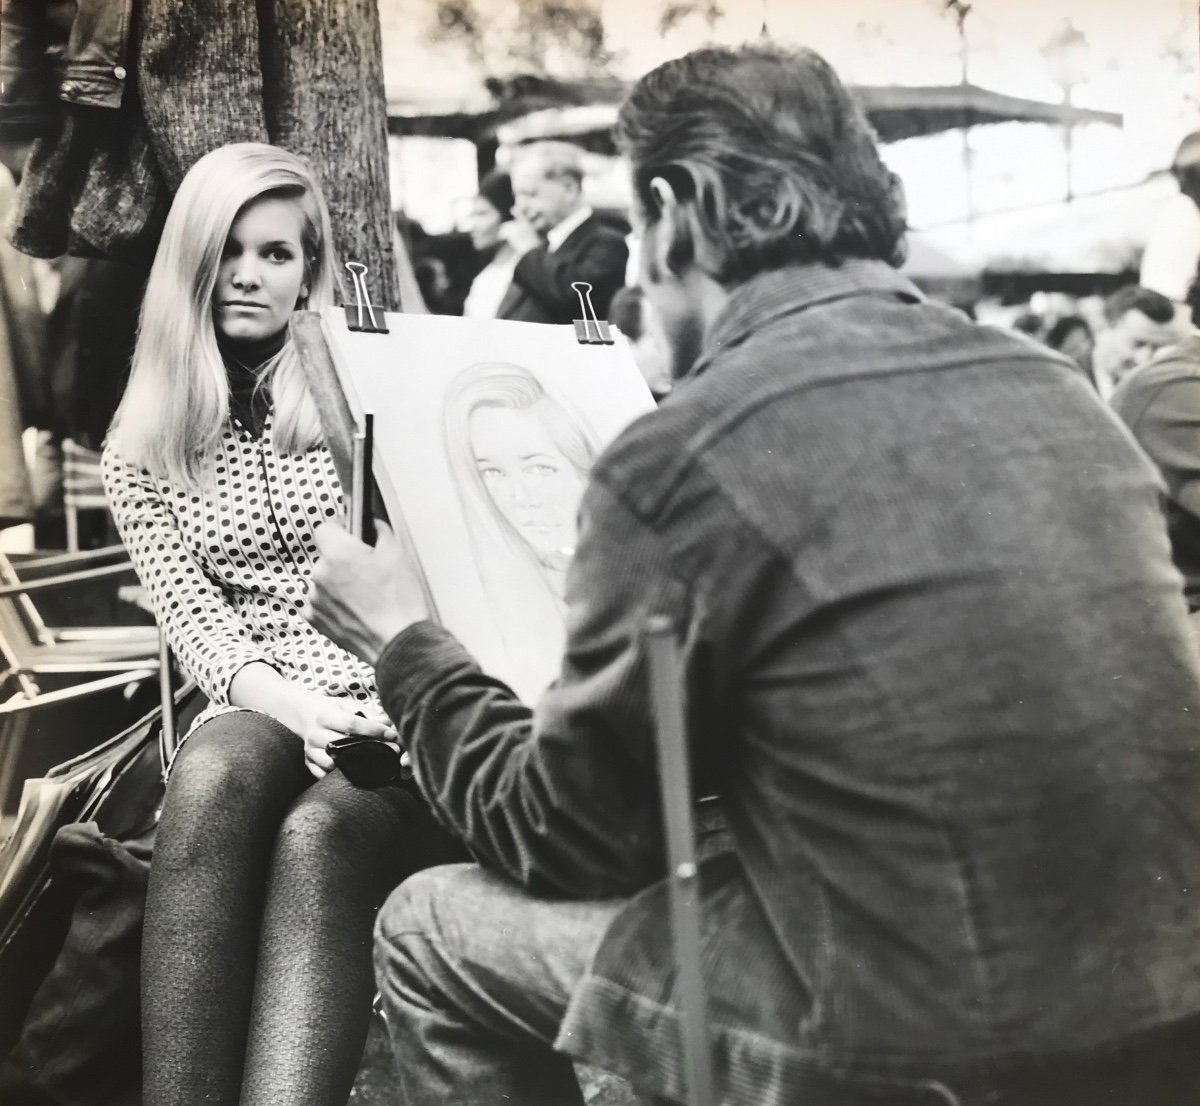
243,362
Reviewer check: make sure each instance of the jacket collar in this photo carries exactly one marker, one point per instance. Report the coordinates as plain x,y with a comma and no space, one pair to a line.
769,296
557,235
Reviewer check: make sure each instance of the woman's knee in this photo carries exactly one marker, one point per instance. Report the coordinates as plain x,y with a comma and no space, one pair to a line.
233,759
326,827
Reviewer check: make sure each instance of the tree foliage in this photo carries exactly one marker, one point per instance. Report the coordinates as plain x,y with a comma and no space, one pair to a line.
674,12
552,37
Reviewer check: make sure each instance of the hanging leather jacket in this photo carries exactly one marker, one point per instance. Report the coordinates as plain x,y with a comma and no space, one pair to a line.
123,96
91,185
73,50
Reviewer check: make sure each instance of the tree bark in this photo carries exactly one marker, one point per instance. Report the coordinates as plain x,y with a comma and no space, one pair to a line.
306,75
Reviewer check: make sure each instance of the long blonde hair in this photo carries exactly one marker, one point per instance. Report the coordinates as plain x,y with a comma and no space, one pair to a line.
177,402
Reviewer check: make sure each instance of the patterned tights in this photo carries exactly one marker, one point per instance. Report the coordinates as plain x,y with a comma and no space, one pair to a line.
256,965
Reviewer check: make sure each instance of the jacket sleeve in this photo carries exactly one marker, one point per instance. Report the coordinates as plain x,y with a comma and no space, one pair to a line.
207,637
1168,429
28,83
200,78
563,799
547,277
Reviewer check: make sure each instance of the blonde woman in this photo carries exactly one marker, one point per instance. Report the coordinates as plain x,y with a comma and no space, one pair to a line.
269,867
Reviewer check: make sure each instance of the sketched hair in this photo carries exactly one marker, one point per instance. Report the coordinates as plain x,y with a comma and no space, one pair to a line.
776,160
177,401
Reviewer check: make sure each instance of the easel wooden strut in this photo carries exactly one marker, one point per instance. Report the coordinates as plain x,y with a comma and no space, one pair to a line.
675,789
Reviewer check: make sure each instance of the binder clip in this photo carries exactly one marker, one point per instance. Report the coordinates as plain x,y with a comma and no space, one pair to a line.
361,315
591,331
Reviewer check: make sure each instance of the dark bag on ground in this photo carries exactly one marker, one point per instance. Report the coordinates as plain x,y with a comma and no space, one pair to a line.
81,1039
72,897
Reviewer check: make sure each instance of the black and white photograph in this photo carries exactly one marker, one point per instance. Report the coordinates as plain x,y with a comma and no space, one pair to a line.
599,553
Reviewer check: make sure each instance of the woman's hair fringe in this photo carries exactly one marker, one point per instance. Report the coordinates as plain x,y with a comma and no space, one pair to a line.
176,404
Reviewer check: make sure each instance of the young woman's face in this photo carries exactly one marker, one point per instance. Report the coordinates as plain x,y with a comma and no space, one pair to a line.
533,484
261,275
1078,345
484,224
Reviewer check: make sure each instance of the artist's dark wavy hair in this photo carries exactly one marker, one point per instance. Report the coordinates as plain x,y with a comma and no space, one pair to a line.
779,160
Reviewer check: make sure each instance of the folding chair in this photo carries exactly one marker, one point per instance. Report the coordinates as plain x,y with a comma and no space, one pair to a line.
44,666
83,487
29,647
26,715
115,784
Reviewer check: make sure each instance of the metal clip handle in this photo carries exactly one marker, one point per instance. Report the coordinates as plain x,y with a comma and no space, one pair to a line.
602,335
358,273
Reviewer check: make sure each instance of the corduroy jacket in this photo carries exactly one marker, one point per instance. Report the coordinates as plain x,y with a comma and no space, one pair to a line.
939,665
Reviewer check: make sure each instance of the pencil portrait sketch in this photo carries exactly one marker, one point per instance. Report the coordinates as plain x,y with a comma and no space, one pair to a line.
483,461
520,460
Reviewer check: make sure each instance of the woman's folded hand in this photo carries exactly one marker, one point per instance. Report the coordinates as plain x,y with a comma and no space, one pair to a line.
319,719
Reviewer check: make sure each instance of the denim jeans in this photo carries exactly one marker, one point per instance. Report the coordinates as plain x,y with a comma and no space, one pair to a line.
475,976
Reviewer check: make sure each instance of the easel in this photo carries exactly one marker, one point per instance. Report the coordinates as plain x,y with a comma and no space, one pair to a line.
349,435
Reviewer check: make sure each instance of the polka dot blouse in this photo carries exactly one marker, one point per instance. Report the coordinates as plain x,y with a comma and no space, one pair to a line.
227,567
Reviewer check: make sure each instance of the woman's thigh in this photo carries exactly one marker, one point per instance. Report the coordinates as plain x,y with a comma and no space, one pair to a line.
390,830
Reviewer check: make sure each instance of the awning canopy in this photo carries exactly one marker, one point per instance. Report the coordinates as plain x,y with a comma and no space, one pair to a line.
527,107
904,111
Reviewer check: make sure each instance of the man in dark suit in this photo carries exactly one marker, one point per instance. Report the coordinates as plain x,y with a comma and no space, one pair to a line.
559,238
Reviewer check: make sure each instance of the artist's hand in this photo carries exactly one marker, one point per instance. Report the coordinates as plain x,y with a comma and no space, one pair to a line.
520,236
362,596
318,719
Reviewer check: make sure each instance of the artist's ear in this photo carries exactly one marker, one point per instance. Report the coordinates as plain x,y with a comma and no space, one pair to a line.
673,237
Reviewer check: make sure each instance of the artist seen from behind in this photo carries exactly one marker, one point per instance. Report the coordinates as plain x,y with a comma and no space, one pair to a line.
937,657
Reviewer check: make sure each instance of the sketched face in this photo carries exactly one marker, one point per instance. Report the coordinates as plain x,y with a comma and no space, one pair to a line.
532,483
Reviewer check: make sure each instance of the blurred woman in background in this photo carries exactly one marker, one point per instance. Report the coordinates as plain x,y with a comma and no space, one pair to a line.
1072,337
491,209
